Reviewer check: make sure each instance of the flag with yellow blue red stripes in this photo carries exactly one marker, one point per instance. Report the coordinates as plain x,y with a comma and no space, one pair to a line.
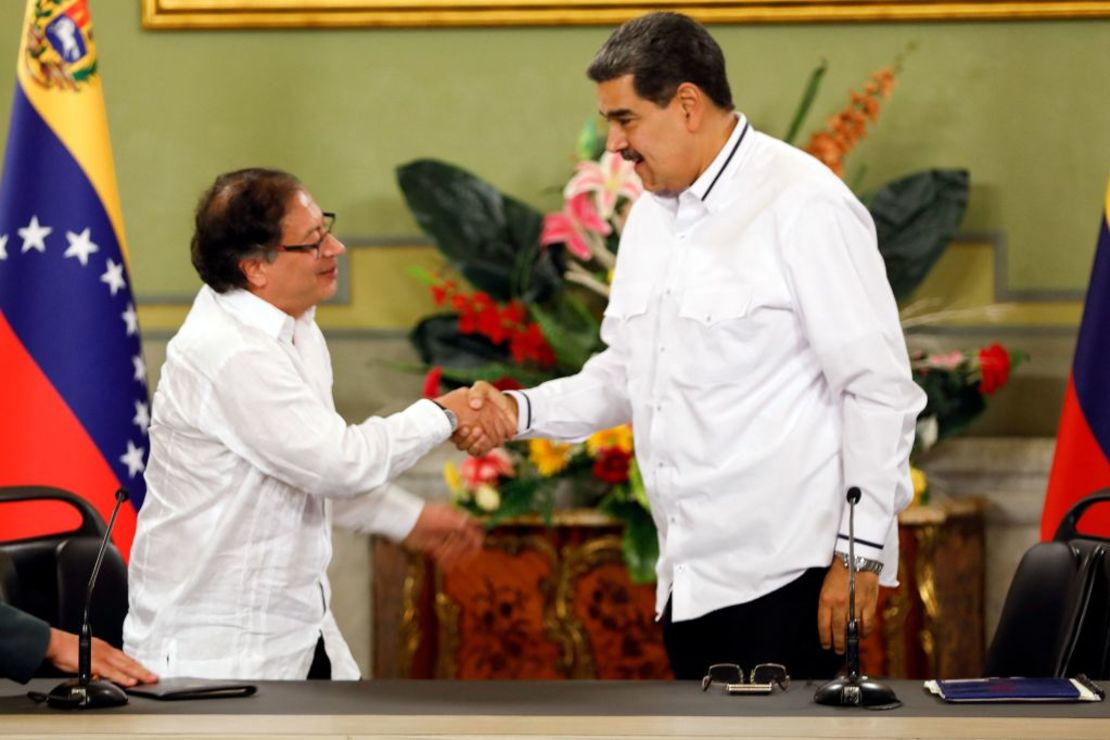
74,406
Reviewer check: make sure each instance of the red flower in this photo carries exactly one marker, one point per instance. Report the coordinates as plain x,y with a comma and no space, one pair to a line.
611,465
994,367
442,291
507,383
431,382
489,324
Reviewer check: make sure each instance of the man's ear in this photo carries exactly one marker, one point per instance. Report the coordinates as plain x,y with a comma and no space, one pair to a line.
254,270
692,102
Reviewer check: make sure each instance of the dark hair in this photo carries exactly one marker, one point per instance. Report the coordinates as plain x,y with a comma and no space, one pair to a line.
661,51
239,215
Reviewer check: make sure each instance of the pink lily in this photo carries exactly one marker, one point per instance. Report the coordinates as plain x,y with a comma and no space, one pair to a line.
608,179
575,226
947,361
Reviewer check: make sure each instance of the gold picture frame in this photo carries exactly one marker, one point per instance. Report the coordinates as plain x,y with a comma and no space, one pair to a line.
215,14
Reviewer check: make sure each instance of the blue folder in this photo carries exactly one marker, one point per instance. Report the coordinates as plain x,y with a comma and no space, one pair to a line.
1016,689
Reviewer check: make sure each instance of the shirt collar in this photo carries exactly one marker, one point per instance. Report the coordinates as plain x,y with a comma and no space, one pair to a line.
262,315
710,181
707,182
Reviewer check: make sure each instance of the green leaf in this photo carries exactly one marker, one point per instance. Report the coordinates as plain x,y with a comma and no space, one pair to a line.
478,229
639,543
421,274
572,332
915,219
591,141
517,498
495,371
808,96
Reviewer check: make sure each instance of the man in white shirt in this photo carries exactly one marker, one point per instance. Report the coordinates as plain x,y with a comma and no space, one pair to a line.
250,464
754,344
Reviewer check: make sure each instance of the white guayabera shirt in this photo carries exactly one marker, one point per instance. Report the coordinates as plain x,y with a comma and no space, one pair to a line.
249,466
753,342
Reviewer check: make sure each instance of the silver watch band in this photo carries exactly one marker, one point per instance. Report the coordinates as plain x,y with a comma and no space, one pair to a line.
863,565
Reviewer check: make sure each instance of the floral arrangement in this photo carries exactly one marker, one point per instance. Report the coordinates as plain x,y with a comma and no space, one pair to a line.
541,282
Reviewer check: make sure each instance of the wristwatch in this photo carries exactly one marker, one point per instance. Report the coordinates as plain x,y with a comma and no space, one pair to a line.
452,418
863,565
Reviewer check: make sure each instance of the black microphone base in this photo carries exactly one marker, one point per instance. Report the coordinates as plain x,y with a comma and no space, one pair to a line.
73,694
844,691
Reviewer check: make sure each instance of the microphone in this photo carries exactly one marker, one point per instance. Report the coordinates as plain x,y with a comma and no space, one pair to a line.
82,692
853,689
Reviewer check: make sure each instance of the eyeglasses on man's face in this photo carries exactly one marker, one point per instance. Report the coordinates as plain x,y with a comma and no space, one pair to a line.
730,674
314,248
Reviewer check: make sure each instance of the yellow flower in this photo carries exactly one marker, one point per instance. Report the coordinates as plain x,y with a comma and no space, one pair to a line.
548,457
619,437
452,478
920,485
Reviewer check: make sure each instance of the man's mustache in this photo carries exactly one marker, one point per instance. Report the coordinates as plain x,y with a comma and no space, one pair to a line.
631,155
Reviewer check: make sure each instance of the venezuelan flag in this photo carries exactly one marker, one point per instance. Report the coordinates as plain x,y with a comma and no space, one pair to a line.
74,406
1081,465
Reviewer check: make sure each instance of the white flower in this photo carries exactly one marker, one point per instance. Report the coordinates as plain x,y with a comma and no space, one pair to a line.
927,430
487,497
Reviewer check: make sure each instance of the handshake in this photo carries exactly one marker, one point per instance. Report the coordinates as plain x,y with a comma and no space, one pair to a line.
487,417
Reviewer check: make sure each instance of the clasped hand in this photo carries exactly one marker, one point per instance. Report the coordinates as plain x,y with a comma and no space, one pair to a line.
487,417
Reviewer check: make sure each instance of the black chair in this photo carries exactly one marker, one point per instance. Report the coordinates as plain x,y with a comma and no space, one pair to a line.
1056,617
48,576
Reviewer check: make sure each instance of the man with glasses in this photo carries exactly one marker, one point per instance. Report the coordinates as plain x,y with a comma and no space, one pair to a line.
250,464
754,344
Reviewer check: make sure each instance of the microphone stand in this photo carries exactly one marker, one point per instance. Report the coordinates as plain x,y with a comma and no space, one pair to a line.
853,689
82,692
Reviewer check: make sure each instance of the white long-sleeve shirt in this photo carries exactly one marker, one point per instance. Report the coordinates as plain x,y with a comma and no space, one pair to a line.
754,344
249,466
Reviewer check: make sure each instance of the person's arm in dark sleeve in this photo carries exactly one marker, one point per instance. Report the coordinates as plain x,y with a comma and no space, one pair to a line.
23,643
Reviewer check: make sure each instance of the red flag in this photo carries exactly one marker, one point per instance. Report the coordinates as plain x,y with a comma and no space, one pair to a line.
1081,465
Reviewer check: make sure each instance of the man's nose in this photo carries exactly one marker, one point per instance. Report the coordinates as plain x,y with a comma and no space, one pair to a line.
615,140
332,247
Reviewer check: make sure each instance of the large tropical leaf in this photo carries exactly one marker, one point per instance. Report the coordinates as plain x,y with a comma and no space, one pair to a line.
490,238
570,329
439,342
916,217
466,358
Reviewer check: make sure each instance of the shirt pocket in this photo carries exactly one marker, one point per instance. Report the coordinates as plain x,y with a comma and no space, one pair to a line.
716,335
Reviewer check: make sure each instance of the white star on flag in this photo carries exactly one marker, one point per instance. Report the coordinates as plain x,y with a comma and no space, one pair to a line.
34,235
131,319
133,459
140,367
113,276
80,246
142,416
3,246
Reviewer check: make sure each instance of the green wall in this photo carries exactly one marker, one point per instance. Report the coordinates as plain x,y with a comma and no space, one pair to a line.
1025,106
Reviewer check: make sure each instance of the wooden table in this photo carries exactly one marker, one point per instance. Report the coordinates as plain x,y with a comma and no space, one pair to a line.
538,710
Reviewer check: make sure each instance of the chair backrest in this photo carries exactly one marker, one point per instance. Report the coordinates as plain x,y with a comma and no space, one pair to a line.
1036,624
1056,617
48,575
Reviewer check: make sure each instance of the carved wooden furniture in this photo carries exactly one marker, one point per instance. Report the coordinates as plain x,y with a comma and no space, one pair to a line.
931,626
557,602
